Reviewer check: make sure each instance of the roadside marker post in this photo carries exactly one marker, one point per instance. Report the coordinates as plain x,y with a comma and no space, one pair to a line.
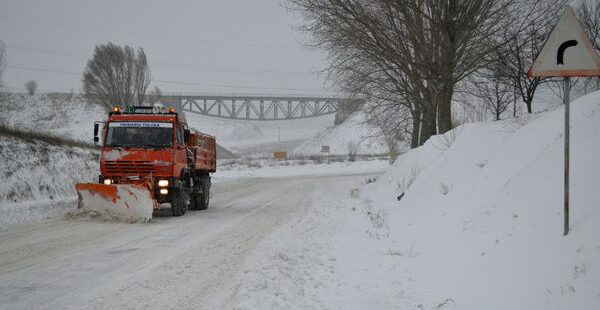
568,52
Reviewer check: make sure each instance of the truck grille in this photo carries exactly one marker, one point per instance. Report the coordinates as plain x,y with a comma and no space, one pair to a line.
128,167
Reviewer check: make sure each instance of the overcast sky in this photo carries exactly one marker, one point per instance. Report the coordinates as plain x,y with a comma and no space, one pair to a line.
216,46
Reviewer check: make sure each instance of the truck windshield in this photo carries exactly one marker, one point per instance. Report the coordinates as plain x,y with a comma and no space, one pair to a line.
139,134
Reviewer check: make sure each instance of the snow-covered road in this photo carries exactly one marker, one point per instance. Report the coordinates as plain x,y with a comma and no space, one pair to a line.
194,261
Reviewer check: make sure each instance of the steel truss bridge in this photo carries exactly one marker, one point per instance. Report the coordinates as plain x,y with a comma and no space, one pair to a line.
262,108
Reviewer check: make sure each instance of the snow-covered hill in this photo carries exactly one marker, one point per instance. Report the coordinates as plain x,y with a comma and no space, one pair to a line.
480,224
62,115
249,138
353,130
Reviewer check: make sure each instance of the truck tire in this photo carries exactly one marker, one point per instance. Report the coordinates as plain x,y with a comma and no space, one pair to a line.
201,198
178,202
205,198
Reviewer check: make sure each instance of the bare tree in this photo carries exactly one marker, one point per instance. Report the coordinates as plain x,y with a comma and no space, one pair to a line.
589,14
153,96
116,76
2,59
141,77
494,89
394,124
409,54
353,148
2,67
523,45
31,86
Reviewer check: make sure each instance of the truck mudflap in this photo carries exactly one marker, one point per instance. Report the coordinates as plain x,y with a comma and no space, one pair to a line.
124,202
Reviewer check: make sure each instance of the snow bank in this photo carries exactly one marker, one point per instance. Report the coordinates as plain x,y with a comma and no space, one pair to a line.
38,179
353,130
480,224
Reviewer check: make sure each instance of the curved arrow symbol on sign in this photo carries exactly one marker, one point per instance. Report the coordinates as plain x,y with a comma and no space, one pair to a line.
561,51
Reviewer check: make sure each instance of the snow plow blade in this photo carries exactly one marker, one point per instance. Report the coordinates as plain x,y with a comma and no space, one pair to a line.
125,202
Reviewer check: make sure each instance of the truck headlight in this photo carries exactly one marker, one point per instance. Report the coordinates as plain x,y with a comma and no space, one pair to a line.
107,181
164,191
163,183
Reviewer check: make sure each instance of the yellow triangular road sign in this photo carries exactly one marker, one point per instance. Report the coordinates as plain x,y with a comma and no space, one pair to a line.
567,52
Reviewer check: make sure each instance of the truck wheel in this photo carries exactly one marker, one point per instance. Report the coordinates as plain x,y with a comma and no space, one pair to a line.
205,197
178,202
200,199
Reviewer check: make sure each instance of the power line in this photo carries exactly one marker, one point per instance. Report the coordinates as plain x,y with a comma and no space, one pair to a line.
47,51
175,82
234,69
43,70
23,89
187,66
139,34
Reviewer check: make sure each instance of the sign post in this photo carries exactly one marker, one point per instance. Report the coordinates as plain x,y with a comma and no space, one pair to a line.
566,101
567,53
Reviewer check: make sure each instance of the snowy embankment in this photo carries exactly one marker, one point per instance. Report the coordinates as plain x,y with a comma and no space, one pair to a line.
354,130
38,178
479,227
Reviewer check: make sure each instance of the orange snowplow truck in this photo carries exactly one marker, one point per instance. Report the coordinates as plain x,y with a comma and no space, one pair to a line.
148,157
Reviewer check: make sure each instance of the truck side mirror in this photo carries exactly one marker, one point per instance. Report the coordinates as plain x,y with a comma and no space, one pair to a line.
186,136
97,141
96,138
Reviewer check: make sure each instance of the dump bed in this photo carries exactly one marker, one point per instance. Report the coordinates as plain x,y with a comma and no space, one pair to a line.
205,151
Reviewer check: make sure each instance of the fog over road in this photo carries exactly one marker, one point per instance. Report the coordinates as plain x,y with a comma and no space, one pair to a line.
175,262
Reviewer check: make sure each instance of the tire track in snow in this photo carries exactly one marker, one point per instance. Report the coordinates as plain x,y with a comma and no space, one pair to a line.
171,263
